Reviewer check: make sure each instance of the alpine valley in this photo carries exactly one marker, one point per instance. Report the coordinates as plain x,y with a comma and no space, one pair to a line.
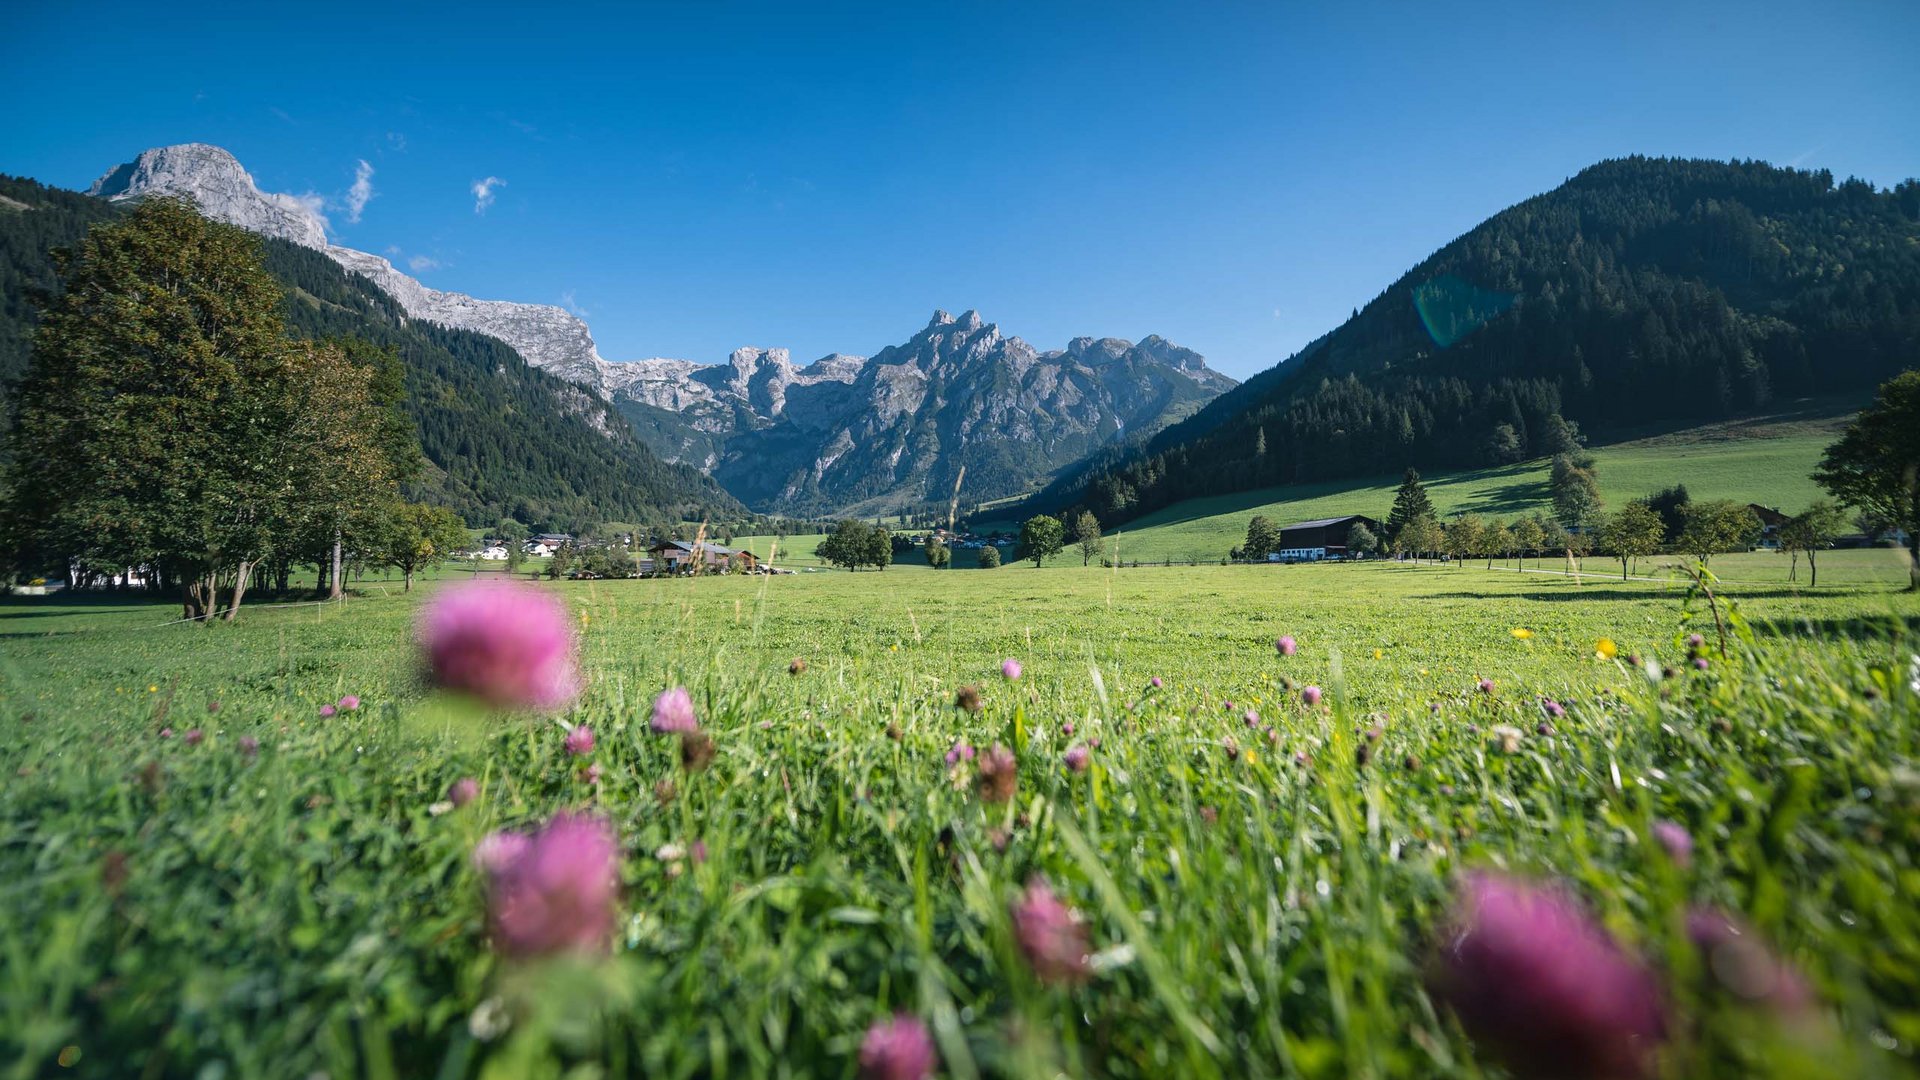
957,411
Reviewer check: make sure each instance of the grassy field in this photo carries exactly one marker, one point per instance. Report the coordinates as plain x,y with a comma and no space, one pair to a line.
1770,471
1264,897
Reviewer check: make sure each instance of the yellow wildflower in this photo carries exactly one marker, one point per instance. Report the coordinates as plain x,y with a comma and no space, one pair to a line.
1605,649
1377,654
1522,633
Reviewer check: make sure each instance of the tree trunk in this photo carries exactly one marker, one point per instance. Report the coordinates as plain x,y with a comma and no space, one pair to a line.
1813,569
1913,556
1623,568
338,587
408,571
239,588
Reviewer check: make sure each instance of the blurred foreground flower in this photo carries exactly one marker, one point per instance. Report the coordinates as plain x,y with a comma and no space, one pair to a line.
897,1049
997,775
349,703
580,740
1077,757
463,791
1050,936
1605,649
1310,695
1010,668
1743,965
1673,838
1286,646
673,712
509,645
1544,987
553,891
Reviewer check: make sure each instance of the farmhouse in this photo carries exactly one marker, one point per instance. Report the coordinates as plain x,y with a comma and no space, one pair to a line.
1770,522
1326,538
672,556
547,543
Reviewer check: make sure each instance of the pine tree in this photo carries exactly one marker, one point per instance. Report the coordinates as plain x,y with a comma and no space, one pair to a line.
1409,502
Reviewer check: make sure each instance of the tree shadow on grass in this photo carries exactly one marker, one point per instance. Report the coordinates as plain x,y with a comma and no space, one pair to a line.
1653,591
1874,627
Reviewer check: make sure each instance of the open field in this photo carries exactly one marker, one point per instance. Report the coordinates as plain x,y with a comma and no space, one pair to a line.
1771,471
1261,901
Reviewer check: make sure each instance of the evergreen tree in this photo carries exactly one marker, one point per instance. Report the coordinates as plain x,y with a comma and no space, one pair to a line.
1263,538
1576,492
1409,502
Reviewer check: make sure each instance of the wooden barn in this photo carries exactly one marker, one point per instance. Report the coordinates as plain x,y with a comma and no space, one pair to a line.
1326,538
672,556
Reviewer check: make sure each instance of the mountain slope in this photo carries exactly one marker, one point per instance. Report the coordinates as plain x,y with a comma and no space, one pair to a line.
895,430
1641,295
500,437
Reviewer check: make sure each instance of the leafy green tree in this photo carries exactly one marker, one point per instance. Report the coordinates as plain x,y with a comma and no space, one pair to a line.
938,554
846,545
514,536
1465,538
1528,537
1420,536
1576,492
1497,541
1409,502
1263,538
1634,531
989,558
1086,533
561,564
1361,541
166,422
1717,525
1812,531
418,536
1041,537
1875,466
877,550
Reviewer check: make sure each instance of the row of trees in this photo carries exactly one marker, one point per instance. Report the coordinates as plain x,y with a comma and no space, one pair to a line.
854,544
170,429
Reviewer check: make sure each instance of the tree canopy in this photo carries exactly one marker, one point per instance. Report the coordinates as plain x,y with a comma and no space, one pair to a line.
1875,466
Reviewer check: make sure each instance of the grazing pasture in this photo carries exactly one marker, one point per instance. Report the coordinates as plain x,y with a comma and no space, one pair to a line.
204,875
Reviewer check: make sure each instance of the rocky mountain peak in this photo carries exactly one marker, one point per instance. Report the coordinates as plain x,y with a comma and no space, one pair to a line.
224,191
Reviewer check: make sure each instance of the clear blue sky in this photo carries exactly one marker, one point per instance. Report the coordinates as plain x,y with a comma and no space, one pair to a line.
697,176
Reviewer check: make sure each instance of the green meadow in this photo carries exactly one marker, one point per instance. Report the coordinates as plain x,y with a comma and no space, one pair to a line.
1264,895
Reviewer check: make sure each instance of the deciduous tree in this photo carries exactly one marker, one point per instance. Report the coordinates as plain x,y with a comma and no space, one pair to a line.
1041,537
1875,467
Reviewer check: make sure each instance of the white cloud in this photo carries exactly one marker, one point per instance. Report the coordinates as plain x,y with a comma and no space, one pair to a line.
483,193
361,191
397,140
566,301
420,263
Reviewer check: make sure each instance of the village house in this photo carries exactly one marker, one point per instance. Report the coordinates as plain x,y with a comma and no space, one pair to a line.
1325,538
677,556
545,544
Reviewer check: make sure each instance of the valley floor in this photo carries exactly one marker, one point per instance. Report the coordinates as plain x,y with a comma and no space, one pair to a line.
1263,882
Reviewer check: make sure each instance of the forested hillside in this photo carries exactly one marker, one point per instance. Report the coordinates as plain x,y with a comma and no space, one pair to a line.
501,438
1644,294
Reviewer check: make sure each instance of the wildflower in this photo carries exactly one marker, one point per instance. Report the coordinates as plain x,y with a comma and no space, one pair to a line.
554,891
1379,654
1522,633
1605,649
960,752
1286,646
1674,839
509,645
213,707
1553,708
967,698
1049,935
897,1049
796,666
1157,684
1067,729
1695,641
997,775
249,745
1539,983
591,774
1311,696
463,791
1509,738
1700,663
194,737
1010,668
580,740
697,851
326,710
696,751
1743,965
498,850
673,711
1251,717
349,703
166,733
1486,686
153,688
1076,758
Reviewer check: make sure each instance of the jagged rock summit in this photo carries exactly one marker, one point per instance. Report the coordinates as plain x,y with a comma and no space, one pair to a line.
548,337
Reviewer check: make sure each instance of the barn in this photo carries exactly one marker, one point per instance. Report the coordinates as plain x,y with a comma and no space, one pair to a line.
1326,538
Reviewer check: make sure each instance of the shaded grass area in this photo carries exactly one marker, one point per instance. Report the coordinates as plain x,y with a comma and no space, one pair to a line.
176,908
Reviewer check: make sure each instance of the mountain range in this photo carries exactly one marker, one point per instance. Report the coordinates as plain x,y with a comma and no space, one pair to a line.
895,430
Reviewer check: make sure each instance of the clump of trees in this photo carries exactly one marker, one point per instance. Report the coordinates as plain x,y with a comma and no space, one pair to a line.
939,555
854,544
168,425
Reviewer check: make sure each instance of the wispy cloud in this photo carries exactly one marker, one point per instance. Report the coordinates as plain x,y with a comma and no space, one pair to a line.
283,114
1804,156
422,263
361,192
567,301
397,140
313,203
483,193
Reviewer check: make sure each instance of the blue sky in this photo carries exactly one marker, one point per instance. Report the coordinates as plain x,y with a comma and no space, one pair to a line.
698,176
